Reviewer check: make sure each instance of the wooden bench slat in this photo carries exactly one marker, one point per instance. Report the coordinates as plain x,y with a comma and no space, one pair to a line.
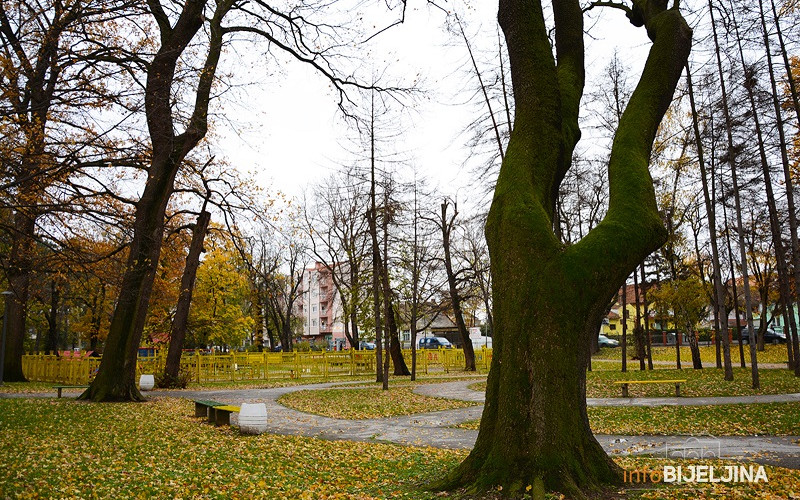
227,408
625,383
59,388
201,407
649,381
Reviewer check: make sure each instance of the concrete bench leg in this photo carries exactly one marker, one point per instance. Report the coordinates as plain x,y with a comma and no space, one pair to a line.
200,410
212,415
223,418
624,390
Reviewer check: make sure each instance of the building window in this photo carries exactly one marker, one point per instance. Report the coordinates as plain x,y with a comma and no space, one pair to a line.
313,308
612,327
314,322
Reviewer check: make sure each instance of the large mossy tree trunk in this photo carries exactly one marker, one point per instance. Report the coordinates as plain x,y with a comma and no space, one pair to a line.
548,297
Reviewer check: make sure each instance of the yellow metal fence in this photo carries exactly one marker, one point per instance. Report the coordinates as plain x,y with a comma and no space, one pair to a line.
252,365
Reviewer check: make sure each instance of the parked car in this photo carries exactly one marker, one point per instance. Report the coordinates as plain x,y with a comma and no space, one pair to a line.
770,336
479,342
603,341
369,346
434,343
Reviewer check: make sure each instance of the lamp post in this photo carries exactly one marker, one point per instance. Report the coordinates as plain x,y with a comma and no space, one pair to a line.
5,295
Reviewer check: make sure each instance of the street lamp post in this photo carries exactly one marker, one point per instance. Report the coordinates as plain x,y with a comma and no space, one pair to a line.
6,296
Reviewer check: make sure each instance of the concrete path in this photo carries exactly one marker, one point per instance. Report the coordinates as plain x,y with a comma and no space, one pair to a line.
436,429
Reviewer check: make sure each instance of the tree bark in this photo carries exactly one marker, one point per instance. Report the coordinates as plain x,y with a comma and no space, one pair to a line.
395,349
179,322
748,309
624,319
452,286
51,341
19,276
720,312
647,337
548,297
792,332
116,377
638,331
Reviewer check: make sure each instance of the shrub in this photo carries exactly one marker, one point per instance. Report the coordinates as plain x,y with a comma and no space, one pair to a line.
164,381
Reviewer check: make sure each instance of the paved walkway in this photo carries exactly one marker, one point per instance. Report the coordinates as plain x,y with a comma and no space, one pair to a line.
436,428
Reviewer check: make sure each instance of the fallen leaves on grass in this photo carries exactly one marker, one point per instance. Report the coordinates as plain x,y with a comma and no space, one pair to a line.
55,449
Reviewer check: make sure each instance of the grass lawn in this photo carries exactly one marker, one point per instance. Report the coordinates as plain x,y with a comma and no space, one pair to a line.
705,382
367,403
64,449
773,353
774,419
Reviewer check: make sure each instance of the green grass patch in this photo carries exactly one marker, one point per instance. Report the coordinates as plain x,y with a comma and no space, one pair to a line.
772,419
27,387
773,353
66,449
367,403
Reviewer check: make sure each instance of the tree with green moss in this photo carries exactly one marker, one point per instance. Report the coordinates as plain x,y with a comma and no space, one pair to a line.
549,297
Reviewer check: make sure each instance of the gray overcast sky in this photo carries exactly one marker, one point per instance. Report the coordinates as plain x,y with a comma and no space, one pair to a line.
288,132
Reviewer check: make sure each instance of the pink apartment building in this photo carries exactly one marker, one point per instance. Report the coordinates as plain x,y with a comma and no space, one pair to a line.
320,308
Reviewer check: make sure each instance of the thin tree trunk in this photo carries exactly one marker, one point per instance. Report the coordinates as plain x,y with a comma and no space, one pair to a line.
376,258
697,362
648,340
181,319
794,92
51,341
793,347
735,289
395,349
19,275
455,296
624,321
748,301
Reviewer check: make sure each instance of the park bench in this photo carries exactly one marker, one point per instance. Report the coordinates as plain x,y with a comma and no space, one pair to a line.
625,383
201,407
59,388
221,414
